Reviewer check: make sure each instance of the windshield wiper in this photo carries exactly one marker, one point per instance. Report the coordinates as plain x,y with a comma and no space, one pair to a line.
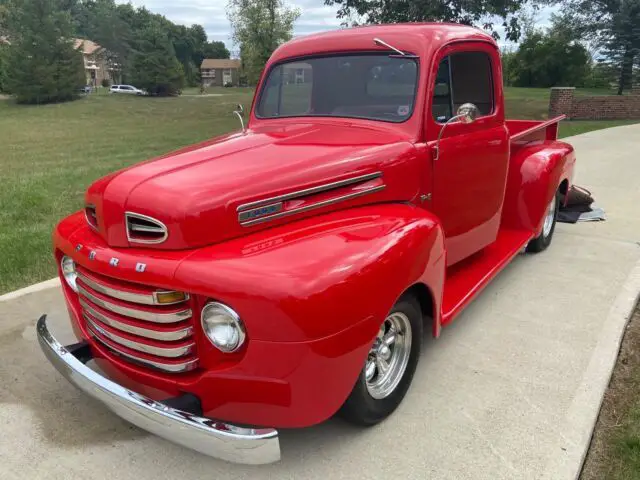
400,53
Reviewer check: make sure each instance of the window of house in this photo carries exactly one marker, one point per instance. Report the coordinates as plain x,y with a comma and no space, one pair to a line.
463,77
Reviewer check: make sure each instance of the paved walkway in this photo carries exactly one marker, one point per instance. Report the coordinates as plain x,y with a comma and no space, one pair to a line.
509,391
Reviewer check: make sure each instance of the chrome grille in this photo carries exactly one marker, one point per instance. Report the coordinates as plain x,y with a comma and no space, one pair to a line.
128,320
143,229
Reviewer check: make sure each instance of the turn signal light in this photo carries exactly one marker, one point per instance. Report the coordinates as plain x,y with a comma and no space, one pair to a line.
165,298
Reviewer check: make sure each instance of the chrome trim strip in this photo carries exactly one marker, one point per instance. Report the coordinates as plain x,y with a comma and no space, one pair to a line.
140,298
139,314
166,336
139,216
227,442
306,208
310,191
169,352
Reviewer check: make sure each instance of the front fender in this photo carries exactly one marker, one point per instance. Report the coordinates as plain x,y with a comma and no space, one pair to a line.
317,277
535,174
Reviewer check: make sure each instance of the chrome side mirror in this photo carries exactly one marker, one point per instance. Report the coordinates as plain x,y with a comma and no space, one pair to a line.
239,112
467,113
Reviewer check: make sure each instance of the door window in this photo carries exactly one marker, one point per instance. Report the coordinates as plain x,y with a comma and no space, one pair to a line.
463,77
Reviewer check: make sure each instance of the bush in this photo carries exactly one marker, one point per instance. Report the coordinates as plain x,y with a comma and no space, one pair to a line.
106,83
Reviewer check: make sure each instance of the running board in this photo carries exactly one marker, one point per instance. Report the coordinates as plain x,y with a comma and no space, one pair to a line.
467,278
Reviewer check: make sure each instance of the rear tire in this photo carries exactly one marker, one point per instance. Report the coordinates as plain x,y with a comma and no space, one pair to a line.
542,241
389,367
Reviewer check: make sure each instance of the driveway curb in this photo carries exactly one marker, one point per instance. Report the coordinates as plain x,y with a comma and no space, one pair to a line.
53,282
577,429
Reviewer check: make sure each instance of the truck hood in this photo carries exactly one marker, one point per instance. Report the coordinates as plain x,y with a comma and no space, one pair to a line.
233,185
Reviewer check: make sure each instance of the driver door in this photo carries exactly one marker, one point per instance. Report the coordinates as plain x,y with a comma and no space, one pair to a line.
469,174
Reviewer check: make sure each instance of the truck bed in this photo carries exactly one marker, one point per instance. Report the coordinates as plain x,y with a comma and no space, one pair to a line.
523,131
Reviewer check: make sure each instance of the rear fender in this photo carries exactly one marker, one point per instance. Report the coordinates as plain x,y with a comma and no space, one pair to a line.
535,174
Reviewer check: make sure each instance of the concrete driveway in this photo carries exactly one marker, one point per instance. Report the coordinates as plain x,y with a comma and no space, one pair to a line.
510,390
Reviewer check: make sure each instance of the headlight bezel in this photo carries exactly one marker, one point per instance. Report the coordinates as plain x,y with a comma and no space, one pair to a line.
70,275
226,317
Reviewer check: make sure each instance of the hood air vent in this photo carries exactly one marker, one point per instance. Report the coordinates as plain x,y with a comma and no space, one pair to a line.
143,229
90,214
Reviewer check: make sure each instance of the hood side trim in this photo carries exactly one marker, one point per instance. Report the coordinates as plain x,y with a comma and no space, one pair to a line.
309,191
313,206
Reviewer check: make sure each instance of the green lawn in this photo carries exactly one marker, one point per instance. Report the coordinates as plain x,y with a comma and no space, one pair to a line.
50,154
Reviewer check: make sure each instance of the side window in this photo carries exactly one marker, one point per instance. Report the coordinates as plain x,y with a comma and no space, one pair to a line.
463,77
442,107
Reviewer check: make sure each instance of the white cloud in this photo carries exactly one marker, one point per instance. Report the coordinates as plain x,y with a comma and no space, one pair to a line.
211,14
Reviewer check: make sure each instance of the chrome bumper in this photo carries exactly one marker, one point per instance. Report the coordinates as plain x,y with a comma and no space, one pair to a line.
211,437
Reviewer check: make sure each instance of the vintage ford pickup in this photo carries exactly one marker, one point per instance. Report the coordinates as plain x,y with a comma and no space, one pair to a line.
275,276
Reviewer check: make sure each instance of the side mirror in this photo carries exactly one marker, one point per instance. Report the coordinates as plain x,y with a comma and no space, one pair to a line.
467,113
239,112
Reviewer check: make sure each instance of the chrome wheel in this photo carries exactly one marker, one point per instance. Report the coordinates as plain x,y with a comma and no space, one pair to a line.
548,220
389,356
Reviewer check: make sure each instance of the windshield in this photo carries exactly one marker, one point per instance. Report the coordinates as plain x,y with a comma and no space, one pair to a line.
372,86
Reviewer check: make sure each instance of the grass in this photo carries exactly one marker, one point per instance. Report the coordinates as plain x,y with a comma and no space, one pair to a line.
614,453
50,154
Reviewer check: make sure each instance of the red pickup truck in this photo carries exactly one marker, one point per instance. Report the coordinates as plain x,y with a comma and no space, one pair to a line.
277,275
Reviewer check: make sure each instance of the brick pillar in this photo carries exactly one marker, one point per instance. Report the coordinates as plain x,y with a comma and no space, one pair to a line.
561,101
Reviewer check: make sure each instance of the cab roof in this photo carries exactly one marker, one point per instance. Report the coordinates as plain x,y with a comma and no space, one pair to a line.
420,39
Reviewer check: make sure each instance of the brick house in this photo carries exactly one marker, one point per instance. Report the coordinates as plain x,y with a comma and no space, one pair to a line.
218,72
96,62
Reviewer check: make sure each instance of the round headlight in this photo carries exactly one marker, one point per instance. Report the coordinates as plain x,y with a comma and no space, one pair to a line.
223,327
69,273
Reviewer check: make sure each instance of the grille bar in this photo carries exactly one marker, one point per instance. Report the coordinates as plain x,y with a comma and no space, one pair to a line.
174,317
167,352
162,335
150,298
173,367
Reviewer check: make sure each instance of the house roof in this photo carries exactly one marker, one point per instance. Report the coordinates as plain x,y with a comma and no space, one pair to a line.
220,63
88,47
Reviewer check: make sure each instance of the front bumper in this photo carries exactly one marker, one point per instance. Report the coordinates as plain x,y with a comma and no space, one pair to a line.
210,437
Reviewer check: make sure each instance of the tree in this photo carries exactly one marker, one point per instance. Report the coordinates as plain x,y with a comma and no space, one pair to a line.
259,27
614,26
4,50
42,65
155,67
459,11
215,50
547,59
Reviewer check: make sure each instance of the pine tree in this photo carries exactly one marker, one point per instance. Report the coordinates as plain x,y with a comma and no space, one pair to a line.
155,67
42,64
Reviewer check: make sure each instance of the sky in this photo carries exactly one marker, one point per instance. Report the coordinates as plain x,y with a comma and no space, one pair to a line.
211,14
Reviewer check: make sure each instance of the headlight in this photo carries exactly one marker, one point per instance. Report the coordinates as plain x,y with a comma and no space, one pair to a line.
223,327
69,273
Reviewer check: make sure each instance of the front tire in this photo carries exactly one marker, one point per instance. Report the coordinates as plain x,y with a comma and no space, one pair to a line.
542,241
389,367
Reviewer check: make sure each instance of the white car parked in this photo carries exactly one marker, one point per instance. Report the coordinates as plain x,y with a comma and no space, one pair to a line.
127,89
